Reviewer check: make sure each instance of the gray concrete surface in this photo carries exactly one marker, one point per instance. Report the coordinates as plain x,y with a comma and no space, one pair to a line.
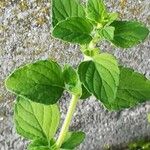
25,37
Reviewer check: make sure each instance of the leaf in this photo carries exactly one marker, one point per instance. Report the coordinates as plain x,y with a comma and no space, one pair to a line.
39,148
41,82
111,18
133,88
42,144
73,139
34,120
139,145
72,81
39,144
96,10
75,30
63,9
101,77
91,52
85,93
108,32
129,33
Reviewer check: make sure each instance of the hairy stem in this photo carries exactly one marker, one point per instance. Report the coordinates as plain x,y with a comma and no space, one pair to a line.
68,119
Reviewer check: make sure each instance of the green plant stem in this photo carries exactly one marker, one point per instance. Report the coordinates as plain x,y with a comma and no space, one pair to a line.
67,121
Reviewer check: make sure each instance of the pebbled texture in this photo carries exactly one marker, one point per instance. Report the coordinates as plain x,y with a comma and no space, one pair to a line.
25,37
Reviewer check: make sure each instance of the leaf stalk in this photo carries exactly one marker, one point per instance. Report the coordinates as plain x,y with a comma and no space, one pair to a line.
67,120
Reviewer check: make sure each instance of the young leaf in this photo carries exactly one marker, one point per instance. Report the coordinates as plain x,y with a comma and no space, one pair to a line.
111,18
42,144
96,10
129,33
34,120
73,139
72,80
101,77
63,9
41,82
107,32
75,30
85,93
39,144
133,88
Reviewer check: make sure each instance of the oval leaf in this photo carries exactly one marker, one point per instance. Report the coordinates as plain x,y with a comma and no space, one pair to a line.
34,120
72,140
41,82
133,88
75,30
101,77
62,9
96,10
129,33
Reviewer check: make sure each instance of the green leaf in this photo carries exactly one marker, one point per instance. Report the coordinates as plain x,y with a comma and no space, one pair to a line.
75,30
101,77
39,148
73,139
39,144
108,32
111,18
91,52
63,9
129,33
41,82
139,145
34,120
72,81
85,93
96,10
42,144
133,88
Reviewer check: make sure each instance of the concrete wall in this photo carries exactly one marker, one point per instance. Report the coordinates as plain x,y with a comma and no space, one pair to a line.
25,37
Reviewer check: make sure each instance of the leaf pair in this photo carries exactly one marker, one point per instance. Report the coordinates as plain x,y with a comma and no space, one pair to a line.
37,84
39,123
69,22
73,23
116,88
